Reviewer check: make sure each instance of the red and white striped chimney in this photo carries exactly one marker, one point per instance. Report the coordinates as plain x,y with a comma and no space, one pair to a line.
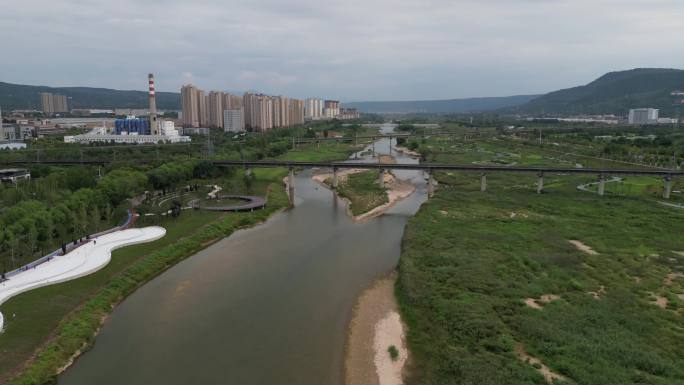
153,106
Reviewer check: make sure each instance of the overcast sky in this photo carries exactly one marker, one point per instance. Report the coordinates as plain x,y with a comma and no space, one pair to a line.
352,50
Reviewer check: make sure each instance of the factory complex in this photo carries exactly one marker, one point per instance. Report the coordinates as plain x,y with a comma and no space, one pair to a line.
133,129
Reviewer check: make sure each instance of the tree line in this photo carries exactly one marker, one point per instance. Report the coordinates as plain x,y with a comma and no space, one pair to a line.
61,206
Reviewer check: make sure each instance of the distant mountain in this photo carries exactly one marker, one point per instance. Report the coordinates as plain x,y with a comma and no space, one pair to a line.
613,93
18,96
441,106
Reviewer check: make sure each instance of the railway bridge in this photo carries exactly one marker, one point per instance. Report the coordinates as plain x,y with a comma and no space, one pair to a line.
429,168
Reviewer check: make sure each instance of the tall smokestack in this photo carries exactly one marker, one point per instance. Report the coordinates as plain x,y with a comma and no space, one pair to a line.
153,107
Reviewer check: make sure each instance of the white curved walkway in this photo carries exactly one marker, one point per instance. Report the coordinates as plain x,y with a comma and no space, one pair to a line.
80,262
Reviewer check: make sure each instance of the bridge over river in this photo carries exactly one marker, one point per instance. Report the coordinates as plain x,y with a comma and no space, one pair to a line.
429,168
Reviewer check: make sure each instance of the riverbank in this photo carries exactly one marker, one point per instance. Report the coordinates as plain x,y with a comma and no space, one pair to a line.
408,152
395,191
374,331
77,330
494,292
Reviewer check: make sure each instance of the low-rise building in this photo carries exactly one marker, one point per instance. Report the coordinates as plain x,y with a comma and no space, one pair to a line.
643,116
13,175
167,130
16,132
348,114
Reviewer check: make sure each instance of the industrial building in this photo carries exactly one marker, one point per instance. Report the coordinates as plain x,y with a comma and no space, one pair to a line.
135,130
643,116
16,132
167,133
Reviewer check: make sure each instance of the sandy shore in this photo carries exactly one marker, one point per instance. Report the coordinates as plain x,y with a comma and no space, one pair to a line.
396,191
407,151
375,326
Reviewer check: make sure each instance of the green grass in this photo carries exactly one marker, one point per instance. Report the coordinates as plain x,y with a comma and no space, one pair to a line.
469,259
363,191
49,312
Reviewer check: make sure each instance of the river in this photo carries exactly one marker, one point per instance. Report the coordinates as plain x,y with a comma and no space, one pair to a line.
266,305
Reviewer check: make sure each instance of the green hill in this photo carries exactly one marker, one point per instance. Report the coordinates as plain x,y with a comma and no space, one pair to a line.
613,93
19,96
441,106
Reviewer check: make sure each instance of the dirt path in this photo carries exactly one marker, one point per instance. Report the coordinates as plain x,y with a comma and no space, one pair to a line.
582,247
544,370
375,326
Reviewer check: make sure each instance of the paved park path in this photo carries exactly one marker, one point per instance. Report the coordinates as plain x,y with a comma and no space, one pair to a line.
80,262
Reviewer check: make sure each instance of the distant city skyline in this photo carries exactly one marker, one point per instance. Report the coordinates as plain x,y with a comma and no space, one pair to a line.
351,51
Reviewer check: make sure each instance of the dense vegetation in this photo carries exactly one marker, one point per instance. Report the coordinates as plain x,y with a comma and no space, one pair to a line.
471,260
40,215
25,97
442,106
363,192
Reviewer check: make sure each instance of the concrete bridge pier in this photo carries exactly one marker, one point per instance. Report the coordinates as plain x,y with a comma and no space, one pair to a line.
290,185
373,154
334,178
381,177
668,187
602,185
294,144
540,183
483,182
431,184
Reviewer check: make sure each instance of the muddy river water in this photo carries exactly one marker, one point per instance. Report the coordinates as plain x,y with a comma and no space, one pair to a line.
267,305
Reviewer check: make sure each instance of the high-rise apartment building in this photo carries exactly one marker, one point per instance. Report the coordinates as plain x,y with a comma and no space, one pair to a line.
231,101
60,103
296,113
190,96
281,111
204,109
215,109
52,103
331,109
313,109
46,103
258,111
234,120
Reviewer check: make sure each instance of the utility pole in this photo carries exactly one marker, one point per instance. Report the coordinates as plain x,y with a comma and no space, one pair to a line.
540,137
210,145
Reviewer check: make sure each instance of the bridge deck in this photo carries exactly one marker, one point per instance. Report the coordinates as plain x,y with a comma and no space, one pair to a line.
374,166
448,167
